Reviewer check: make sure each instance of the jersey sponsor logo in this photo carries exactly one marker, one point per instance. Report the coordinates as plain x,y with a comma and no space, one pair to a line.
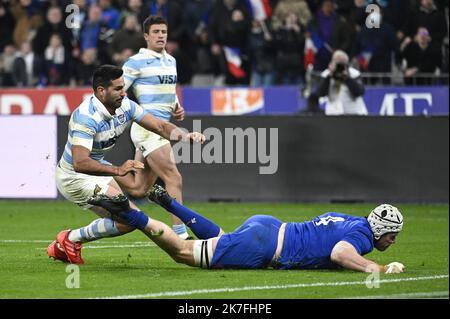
167,79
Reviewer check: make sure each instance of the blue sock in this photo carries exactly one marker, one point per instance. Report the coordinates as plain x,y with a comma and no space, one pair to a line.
136,218
202,228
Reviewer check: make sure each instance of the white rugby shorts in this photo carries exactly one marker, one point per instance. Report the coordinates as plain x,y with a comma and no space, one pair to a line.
79,187
146,141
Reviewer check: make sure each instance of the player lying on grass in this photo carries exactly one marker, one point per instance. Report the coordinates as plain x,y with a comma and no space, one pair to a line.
328,241
82,171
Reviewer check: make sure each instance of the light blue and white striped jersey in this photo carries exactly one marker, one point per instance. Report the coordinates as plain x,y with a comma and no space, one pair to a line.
153,77
92,126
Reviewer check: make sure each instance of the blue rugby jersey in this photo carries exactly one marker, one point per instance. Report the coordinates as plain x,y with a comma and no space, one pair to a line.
308,245
92,126
153,77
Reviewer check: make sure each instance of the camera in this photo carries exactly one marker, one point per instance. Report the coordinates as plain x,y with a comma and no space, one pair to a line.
339,71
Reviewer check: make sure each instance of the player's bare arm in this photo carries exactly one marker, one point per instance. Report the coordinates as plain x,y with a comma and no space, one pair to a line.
345,255
82,163
169,131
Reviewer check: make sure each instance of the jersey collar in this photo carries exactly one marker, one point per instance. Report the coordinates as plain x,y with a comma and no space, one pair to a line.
153,53
101,108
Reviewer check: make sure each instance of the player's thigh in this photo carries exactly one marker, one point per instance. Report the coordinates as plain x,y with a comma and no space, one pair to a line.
145,141
141,181
162,161
114,189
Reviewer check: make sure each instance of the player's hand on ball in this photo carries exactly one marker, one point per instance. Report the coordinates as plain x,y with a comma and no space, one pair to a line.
129,166
196,137
394,268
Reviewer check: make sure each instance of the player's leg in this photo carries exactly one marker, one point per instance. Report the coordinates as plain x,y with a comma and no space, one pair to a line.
163,164
202,227
138,184
159,157
78,188
105,226
189,252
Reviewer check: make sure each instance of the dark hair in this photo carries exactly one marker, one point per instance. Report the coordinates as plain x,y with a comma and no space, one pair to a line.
151,20
104,74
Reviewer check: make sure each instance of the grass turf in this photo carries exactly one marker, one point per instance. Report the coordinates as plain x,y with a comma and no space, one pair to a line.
132,266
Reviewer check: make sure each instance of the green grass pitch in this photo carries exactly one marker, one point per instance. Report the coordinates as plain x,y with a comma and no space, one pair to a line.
133,267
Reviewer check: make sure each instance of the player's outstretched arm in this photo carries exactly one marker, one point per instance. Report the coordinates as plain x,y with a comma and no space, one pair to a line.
82,163
169,131
345,255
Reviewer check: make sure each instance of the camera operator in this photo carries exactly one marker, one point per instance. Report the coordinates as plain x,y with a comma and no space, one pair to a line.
341,84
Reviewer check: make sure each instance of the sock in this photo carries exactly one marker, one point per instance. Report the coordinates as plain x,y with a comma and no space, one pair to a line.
181,231
99,228
202,227
136,218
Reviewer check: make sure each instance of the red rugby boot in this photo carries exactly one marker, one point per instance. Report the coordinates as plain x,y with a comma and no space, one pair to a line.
72,250
55,251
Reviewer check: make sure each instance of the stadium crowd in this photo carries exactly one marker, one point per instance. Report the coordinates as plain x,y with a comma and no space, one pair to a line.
44,43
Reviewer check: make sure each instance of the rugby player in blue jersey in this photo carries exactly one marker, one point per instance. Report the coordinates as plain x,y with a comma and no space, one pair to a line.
152,75
329,241
82,171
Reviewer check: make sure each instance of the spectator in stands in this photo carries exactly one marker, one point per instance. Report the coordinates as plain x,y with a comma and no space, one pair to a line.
172,12
27,67
96,34
290,44
229,28
299,8
54,23
341,85
79,20
56,68
110,15
207,66
262,54
127,41
421,56
374,48
28,17
136,8
331,32
428,16
6,62
86,67
196,14
7,24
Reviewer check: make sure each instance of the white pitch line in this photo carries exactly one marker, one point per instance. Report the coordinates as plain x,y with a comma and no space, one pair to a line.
111,246
120,246
234,289
433,294
18,241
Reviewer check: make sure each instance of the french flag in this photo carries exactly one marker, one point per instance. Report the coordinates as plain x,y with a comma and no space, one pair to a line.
233,57
310,53
312,45
260,9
